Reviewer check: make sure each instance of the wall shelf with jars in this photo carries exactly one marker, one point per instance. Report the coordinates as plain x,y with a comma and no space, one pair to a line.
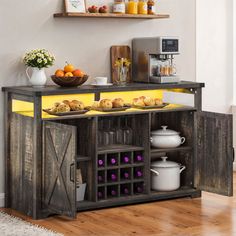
131,9
111,15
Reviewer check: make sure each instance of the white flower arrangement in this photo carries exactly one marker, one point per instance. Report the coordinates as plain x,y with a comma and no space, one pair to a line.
39,58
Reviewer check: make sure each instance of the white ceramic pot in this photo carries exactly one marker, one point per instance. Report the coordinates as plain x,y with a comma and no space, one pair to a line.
38,77
166,138
166,175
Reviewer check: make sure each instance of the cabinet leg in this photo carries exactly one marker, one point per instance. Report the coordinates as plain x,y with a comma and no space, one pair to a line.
197,194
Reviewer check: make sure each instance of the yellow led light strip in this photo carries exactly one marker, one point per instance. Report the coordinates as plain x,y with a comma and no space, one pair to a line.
27,108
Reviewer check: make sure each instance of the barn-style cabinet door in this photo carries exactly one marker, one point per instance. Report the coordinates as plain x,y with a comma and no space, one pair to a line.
214,153
59,168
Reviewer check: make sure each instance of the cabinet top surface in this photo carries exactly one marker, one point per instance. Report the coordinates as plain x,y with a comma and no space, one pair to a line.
53,89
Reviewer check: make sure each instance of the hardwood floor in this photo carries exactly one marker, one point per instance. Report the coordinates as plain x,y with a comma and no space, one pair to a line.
210,215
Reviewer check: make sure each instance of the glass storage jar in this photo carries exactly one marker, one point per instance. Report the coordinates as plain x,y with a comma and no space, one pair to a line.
142,7
119,6
151,7
132,7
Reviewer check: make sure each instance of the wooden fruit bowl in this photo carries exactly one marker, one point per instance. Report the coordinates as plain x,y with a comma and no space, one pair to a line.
74,81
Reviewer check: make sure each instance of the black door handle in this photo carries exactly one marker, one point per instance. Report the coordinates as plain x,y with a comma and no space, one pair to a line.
233,155
72,172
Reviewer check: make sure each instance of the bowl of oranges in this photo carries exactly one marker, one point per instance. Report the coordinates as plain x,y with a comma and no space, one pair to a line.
69,76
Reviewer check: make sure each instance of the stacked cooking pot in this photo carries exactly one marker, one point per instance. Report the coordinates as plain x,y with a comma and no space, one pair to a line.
166,174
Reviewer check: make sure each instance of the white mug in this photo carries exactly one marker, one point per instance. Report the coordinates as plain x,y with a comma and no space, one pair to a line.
101,80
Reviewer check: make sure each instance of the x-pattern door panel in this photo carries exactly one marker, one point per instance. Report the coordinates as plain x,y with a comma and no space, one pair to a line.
59,187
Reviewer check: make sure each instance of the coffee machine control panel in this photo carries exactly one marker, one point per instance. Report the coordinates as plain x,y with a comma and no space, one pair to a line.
168,45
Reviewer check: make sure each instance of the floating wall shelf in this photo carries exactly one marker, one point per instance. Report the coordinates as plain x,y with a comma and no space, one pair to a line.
111,15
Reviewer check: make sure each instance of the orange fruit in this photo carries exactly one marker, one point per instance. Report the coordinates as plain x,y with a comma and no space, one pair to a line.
59,73
68,67
68,74
78,73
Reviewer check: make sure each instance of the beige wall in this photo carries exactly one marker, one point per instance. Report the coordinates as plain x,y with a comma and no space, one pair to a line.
214,43
85,42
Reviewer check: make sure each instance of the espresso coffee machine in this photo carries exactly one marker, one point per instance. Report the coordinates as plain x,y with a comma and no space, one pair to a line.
153,60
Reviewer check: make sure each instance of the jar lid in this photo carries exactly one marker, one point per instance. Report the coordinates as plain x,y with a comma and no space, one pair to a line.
164,131
164,163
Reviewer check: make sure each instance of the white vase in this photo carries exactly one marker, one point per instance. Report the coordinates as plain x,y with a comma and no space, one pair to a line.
38,77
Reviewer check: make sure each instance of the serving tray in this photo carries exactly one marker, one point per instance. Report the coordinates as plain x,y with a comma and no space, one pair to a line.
111,109
69,113
151,107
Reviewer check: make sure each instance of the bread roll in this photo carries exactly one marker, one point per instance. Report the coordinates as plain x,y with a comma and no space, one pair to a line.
142,98
95,105
158,101
105,103
138,102
67,102
62,108
56,104
149,101
76,105
117,103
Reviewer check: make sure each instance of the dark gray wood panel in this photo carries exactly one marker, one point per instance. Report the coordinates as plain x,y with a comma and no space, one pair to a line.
7,124
214,153
21,164
50,90
59,169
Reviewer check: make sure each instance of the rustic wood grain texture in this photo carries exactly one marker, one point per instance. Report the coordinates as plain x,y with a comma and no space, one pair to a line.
212,215
56,90
116,52
7,125
21,164
214,158
37,157
112,15
59,168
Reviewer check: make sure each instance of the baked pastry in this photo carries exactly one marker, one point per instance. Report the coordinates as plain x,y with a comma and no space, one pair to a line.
105,103
142,98
158,101
76,105
56,104
95,105
117,103
62,108
149,101
138,102
54,108
67,102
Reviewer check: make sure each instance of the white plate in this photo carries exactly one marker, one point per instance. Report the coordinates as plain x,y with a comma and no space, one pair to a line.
99,85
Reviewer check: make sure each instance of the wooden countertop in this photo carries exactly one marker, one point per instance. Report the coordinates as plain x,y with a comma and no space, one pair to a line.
53,89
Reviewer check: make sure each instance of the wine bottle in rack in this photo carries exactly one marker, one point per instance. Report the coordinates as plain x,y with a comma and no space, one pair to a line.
113,161
125,175
125,190
139,188
113,177
100,162
113,192
139,158
100,178
138,173
100,194
126,159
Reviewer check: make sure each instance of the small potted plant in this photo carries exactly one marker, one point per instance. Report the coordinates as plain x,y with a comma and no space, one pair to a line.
37,60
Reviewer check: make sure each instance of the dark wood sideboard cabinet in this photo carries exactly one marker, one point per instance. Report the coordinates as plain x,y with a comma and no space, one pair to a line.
43,152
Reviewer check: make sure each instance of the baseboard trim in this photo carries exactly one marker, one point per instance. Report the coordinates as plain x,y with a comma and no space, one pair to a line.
2,199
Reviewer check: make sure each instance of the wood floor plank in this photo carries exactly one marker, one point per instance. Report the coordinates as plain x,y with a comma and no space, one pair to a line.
211,215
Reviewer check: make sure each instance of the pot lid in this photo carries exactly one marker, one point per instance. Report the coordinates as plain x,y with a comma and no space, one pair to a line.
164,163
164,131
